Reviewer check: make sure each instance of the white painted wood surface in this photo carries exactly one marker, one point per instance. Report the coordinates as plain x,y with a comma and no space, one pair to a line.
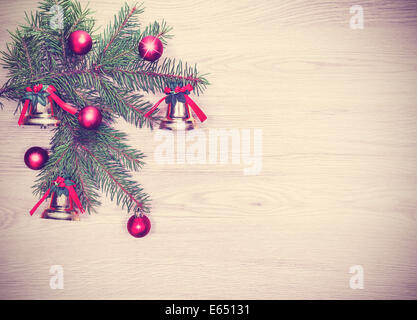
338,187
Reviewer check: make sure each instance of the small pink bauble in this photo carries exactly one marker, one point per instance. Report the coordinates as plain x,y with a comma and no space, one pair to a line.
89,117
138,226
150,48
80,42
36,158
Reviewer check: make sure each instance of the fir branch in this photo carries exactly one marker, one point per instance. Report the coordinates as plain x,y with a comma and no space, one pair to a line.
121,105
107,134
62,38
83,186
130,159
119,36
27,56
132,107
159,30
167,76
49,172
131,197
4,90
119,29
109,77
63,45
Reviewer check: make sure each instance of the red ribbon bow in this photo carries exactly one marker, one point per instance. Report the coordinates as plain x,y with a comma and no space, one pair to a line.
189,102
60,182
51,97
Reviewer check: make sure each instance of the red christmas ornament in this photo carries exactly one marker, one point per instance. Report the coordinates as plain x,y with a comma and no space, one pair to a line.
80,42
150,48
36,158
138,226
89,117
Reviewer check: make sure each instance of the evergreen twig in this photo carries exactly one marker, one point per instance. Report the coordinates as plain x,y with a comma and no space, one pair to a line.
111,77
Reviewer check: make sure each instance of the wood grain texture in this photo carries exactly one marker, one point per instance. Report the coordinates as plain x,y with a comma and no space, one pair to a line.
338,186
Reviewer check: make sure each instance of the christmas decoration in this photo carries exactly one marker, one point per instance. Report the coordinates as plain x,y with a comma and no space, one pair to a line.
113,77
80,42
63,195
178,115
61,208
36,158
38,96
138,226
151,48
89,117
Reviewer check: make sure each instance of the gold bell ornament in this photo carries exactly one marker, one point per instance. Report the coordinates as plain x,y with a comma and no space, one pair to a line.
63,197
179,116
38,107
60,208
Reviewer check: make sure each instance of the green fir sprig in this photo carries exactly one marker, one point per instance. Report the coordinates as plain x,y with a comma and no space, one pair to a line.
112,77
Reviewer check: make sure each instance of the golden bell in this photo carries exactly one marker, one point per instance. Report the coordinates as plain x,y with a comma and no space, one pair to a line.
178,117
61,208
41,116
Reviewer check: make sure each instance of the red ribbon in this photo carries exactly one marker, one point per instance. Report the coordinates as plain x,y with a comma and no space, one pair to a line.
51,97
60,182
189,102
66,106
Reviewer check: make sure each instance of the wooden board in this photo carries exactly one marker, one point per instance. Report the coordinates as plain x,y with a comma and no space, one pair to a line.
337,110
